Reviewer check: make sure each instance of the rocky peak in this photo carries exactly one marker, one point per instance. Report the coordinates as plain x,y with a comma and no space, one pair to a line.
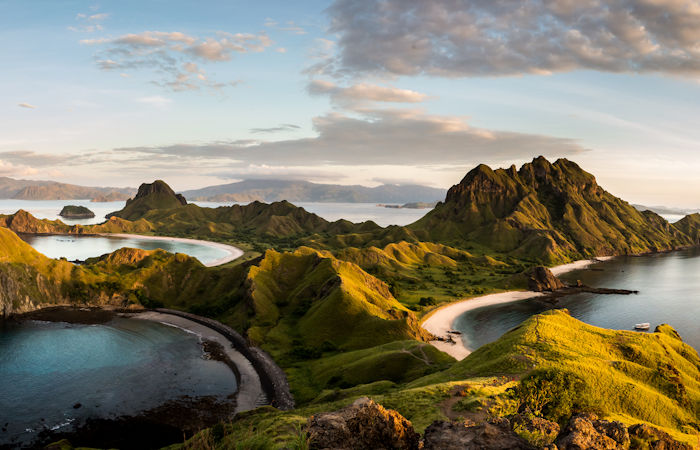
157,187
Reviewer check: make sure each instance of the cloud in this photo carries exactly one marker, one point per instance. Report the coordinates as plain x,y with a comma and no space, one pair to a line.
379,137
465,38
89,23
26,105
359,93
155,100
290,26
11,170
277,129
176,55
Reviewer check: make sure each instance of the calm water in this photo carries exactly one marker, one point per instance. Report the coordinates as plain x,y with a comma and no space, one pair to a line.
669,292
122,367
83,247
354,212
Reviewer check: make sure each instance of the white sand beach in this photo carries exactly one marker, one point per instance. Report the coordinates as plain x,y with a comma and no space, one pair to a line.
249,387
440,321
233,252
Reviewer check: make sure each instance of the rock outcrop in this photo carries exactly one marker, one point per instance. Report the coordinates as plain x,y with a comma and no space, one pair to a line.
541,279
153,196
493,435
655,438
76,212
364,424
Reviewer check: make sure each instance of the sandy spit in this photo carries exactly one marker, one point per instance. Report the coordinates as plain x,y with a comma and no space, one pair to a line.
233,252
440,321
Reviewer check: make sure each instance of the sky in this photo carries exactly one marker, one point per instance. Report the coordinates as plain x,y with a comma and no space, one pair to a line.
116,93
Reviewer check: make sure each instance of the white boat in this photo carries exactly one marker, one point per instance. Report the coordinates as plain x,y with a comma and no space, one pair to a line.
642,326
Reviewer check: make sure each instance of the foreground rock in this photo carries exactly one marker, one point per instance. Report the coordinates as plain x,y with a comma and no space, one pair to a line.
76,212
364,424
541,279
493,435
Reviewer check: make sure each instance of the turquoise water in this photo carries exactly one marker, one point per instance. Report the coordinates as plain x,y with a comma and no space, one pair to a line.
119,368
82,247
669,292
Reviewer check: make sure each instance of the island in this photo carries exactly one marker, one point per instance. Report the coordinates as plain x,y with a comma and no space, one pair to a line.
76,212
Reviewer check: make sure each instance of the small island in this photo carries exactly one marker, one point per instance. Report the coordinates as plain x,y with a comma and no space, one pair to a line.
76,212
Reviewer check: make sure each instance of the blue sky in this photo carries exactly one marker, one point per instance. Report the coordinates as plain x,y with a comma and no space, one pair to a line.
119,93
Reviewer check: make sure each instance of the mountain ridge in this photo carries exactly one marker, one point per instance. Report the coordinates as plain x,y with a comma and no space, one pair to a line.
305,191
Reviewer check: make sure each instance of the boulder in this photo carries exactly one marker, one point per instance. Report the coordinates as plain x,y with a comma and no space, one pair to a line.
586,431
493,435
541,279
364,424
656,439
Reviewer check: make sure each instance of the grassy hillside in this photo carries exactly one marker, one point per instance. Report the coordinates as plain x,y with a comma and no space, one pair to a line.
552,365
302,306
550,212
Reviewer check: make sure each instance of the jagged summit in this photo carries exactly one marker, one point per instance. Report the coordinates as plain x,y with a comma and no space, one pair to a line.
156,195
545,211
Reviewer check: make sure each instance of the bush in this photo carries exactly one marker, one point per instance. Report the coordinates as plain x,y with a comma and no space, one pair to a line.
427,301
552,394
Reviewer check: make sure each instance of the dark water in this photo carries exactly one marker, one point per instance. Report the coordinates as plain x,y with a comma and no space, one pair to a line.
120,368
82,247
669,292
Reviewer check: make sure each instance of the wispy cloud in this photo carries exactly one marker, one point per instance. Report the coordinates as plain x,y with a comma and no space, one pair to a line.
175,54
379,137
155,101
358,94
89,23
26,105
281,127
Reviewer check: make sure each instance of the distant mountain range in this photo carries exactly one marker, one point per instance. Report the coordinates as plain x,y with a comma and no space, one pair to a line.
304,191
666,210
242,191
52,190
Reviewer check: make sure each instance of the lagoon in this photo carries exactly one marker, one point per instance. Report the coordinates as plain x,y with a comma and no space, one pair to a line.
122,367
669,292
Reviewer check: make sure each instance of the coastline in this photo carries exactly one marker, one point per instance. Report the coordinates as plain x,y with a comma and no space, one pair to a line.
249,394
233,252
440,321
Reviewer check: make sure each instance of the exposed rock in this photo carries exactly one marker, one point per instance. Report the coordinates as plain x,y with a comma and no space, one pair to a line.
151,196
586,431
364,424
494,435
157,187
655,438
542,279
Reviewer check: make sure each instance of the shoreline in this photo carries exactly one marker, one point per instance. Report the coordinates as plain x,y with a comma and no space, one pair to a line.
233,252
440,321
249,393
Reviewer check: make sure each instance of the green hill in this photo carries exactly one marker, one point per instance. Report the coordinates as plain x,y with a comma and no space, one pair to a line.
153,196
547,212
551,367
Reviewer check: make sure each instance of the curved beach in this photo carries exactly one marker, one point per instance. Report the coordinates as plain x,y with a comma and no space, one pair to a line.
233,252
440,321
250,393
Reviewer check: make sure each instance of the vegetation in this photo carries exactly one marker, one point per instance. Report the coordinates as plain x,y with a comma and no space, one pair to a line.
337,304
